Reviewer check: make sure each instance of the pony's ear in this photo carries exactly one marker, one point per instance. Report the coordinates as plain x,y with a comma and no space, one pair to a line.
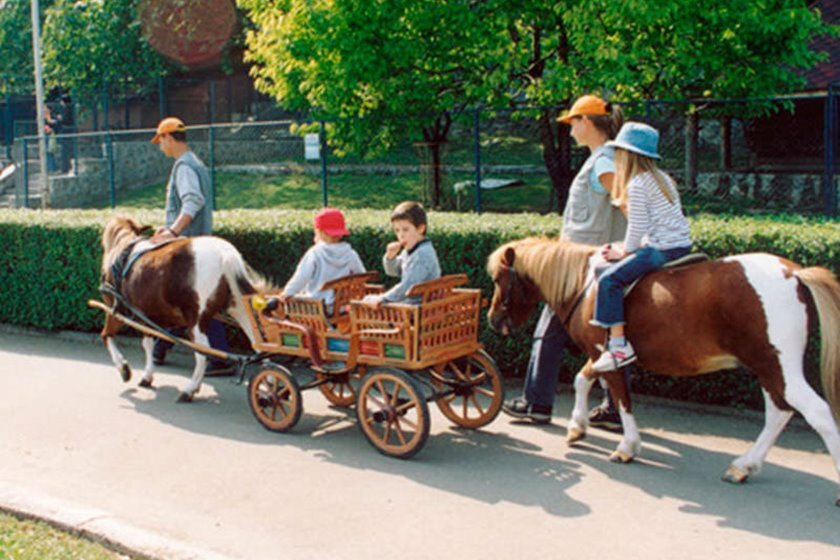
138,228
509,257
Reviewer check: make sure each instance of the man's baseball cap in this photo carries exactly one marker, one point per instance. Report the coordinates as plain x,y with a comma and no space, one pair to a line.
168,126
588,105
331,222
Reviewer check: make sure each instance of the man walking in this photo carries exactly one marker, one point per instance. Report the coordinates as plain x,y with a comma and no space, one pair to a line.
189,213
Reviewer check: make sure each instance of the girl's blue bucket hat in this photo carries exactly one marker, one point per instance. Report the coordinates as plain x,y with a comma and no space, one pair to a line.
638,138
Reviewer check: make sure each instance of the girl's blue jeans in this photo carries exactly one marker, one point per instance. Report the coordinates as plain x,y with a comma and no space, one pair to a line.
609,306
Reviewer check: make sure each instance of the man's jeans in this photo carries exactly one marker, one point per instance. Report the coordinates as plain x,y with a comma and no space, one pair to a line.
609,308
550,341
215,334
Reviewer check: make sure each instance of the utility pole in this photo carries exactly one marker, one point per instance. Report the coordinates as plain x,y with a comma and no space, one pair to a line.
39,102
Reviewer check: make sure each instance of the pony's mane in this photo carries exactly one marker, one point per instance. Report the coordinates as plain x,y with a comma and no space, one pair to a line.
558,268
117,235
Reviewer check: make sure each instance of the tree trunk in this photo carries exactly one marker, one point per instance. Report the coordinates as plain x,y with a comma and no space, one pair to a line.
435,138
556,155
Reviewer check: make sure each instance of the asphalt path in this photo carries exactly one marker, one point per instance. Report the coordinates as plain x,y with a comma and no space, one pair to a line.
205,480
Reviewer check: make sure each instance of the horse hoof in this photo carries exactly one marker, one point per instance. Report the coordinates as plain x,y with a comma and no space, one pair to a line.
837,503
125,373
621,457
184,397
735,475
574,435
145,383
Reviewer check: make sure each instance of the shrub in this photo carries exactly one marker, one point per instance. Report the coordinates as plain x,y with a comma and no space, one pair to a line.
50,267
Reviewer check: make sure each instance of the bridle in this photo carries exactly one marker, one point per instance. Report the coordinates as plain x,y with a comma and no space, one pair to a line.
513,277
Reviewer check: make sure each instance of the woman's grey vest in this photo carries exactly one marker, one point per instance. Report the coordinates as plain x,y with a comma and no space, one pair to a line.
589,217
202,223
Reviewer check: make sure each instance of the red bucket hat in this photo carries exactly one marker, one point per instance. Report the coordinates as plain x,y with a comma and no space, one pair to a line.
331,222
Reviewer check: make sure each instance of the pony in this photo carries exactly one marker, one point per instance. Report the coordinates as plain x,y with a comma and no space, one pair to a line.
183,283
751,310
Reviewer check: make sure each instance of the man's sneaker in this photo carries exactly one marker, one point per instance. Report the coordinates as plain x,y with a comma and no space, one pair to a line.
612,359
520,408
603,417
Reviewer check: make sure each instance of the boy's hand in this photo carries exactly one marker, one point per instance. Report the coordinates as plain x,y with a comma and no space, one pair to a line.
393,249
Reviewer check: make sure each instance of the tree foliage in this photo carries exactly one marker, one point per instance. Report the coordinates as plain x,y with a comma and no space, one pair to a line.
354,58
16,45
88,41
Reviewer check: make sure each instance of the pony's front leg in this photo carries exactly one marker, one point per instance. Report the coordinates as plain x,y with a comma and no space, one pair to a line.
117,357
194,385
631,442
579,421
109,330
148,373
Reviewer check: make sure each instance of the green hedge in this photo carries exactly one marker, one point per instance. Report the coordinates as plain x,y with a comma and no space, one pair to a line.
50,267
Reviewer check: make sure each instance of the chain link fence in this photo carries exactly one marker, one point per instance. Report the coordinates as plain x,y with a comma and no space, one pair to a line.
736,156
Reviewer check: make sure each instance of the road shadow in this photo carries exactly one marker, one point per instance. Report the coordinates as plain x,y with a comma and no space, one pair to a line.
491,466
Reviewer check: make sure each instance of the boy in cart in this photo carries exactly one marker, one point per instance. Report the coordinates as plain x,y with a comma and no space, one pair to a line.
412,257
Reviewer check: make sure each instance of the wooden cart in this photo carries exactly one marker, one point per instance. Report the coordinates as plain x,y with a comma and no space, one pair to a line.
388,361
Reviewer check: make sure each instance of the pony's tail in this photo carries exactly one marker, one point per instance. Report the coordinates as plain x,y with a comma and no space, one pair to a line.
243,281
825,291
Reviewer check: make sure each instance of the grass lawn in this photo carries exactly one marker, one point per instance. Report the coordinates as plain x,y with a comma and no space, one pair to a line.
247,190
22,539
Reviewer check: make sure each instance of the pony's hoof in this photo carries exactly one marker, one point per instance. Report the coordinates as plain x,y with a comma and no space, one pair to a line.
735,475
837,503
145,383
574,435
125,373
620,457
184,397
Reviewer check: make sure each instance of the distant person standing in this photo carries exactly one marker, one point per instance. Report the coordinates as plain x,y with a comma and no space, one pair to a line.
189,213
68,126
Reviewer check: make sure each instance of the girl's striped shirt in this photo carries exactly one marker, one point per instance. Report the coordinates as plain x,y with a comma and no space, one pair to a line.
651,219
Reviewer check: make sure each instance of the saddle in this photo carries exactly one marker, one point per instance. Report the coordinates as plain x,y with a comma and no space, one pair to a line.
123,263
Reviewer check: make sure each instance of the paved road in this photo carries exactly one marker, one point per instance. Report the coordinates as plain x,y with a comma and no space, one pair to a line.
204,480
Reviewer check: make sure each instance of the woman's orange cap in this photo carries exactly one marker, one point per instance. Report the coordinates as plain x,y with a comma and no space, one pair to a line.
588,105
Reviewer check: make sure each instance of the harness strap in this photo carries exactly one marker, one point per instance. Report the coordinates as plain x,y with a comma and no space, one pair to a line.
577,303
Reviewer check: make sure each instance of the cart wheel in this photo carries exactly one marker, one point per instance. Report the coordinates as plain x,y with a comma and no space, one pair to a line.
392,412
341,390
275,399
473,390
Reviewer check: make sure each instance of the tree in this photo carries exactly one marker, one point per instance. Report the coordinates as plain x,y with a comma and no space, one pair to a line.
16,64
641,49
380,71
353,58
86,42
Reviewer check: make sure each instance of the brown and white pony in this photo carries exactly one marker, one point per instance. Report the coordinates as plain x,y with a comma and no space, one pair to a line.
750,310
182,284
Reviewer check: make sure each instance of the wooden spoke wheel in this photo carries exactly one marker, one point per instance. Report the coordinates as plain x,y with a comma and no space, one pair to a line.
392,412
275,399
472,390
341,390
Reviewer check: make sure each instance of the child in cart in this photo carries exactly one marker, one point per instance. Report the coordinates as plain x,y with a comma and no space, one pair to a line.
329,258
412,257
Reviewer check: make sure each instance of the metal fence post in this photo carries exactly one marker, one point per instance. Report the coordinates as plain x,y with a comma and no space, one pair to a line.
8,134
211,136
24,171
477,153
105,122
111,182
161,98
830,133
323,134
